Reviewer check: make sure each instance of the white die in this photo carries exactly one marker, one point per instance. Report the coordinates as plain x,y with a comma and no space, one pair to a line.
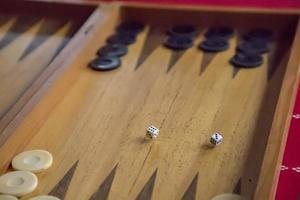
152,132
216,138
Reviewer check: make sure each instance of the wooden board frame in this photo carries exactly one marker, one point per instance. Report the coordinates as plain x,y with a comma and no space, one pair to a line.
269,175
277,139
182,6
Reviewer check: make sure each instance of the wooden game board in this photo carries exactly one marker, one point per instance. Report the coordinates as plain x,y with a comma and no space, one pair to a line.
94,122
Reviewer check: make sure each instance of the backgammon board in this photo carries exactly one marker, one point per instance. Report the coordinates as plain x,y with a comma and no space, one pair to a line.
94,122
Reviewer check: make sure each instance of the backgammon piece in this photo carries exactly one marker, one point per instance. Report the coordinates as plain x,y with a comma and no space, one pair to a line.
122,38
18,183
215,44
105,63
152,132
260,33
179,43
246,60
7,197
34,161
255,46
228,196
216,139
130,27
183,31
224,32
113,50
44,197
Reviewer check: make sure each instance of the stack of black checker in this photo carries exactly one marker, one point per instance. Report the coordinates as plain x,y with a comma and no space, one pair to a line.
249,51
216,39
181,37
108,57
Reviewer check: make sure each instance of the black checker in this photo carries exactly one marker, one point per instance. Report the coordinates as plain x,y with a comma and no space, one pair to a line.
260,34
183,31
255,46
122,38
105,63
214,44
223,31
179,43
113,50
130,27
246,60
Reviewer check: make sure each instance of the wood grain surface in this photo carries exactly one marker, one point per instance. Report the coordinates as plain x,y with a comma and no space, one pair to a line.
28,43
94,123
25,52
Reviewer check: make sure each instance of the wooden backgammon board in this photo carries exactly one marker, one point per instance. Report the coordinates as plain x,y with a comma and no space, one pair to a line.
94,122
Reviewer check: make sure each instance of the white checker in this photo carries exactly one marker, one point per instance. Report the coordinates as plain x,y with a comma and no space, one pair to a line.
18,183
7,197
44,197
34,161
228,196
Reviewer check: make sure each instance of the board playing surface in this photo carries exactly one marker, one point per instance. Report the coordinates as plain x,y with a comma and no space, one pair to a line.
94,123
28,44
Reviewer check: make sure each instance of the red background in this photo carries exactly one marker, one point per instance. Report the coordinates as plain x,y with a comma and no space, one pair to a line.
289,181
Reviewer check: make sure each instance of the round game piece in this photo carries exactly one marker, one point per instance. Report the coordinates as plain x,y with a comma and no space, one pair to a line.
130,27
122,38
179,43
113,50
255,46
260,34
246,60
7,197
215,44
183,31
44,197
34,161
228,196
18,183
105,63
223,32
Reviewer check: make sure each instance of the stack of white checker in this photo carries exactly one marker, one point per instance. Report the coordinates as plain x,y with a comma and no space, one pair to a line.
24,181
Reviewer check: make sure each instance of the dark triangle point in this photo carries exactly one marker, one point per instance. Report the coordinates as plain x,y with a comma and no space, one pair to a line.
146,192
48,28
103,190
190,193
155,37
279,49
238,41
60,190
238,187
5,19
175,56
206,60
21,25
235,72
64,42
274,57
